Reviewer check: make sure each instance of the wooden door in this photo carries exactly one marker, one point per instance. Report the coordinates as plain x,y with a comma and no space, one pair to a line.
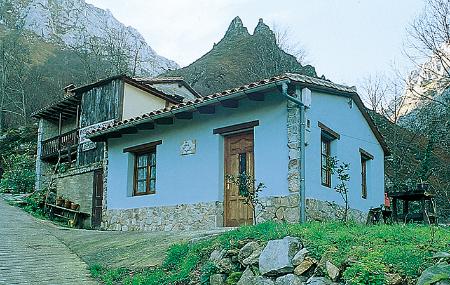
97,199
238,160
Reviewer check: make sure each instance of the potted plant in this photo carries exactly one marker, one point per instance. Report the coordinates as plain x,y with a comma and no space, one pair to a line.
60,201
74,206
67,204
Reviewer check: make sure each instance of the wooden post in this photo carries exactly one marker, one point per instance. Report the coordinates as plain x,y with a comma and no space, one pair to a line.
59,135
424,211
394,209
77,119
405,209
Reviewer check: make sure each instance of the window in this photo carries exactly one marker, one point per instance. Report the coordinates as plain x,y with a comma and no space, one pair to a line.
325,156
363,177
145,172
327,137
365,157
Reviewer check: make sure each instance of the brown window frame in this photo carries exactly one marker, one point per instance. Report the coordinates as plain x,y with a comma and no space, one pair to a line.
365,157
363,177
149,152
325,155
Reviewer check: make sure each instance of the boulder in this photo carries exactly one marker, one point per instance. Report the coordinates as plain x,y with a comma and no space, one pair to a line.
299,257
217,279
318,281
393,279
253,259
260,280
306,265
217,255
249,254
290,279
437,273
332,271
276,258
247,277
225,265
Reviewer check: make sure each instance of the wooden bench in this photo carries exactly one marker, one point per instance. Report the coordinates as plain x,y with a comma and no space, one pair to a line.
73,217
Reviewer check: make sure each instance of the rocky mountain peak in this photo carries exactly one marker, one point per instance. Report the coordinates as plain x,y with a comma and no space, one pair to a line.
263,30
236,29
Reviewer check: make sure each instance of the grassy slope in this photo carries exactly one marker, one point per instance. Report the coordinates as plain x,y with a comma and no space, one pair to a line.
404,249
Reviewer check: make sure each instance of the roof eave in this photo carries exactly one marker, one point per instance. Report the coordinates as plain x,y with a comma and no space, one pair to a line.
190,107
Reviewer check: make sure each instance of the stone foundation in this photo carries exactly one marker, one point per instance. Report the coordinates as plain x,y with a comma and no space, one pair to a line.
317,210
209,215
200,216
286,209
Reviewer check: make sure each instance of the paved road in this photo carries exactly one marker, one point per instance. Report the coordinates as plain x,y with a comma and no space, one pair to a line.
30,253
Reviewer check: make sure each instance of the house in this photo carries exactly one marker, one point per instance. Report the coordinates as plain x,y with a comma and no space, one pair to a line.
70,163
166,169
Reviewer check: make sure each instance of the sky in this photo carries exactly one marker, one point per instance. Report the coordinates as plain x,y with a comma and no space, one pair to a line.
346,40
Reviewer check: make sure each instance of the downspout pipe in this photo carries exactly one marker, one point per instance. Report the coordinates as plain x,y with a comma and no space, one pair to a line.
302,143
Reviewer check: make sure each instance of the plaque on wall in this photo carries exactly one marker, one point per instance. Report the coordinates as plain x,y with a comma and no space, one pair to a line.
188,147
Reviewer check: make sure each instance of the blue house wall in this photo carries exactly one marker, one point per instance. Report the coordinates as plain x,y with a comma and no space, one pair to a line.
190,188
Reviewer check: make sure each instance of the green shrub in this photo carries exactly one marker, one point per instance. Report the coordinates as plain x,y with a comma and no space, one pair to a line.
208,269
368,270
35,204
233,278
175,253
96,270
19,174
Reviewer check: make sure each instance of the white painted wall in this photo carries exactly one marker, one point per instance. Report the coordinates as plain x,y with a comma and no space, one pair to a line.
335,112
199,177
137,102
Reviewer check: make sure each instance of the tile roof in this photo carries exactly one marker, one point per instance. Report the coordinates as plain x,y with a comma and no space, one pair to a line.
303,79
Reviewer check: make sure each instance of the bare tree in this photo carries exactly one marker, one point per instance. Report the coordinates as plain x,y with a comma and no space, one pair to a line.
285,41
384,93
429,40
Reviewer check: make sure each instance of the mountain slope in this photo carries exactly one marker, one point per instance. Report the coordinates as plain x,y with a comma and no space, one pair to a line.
76,24
240,58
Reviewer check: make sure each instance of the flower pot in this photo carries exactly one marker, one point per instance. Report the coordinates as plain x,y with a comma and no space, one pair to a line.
75,206
67,204
60,202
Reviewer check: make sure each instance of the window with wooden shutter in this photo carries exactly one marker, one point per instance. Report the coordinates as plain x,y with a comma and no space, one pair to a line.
145,172
325,157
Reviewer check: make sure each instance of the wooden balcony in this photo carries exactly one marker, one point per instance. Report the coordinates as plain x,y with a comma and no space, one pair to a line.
64,146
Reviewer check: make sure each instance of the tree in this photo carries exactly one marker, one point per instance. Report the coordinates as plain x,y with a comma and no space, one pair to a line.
429,40
384,94
248,189
342,170
284,41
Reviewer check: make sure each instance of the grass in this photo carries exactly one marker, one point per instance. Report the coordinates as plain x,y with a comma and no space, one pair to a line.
370,251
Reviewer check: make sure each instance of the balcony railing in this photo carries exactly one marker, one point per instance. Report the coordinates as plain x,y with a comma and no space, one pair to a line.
64,145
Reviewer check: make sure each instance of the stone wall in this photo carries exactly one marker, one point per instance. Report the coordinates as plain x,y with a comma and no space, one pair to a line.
209,215
286,209
317,210
293,131
200,216
77,185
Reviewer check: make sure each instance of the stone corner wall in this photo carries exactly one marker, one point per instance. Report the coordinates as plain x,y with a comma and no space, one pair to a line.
279,209
293,132
199,216
286,209
317,210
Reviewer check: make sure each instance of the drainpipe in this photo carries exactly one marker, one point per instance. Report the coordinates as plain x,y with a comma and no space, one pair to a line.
301,106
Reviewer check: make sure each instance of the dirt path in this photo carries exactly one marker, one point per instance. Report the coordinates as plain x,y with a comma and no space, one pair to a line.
30,253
